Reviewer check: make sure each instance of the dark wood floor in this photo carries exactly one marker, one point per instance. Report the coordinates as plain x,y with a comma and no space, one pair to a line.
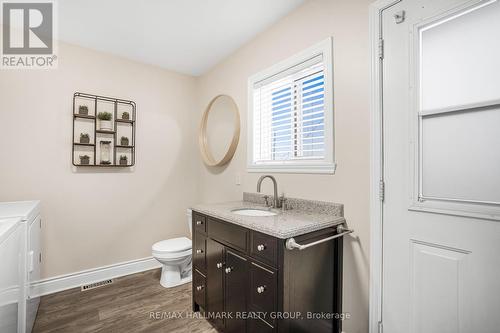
124,306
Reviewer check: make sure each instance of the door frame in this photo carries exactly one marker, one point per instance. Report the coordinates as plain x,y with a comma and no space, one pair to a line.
376,163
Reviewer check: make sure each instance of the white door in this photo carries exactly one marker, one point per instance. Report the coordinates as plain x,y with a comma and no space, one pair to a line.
441,128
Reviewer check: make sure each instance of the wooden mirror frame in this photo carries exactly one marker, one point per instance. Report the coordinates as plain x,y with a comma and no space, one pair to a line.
206,154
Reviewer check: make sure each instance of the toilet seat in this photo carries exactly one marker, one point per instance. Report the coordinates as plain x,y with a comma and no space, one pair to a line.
171,255
172,248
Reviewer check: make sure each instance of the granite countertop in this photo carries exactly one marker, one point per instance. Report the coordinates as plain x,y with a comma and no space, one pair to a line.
304,216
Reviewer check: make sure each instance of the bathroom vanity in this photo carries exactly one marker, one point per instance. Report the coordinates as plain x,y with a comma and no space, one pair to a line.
246,279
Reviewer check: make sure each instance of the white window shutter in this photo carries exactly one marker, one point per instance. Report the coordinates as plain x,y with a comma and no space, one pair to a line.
291,114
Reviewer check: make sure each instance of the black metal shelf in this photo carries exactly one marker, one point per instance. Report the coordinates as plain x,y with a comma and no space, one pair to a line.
101,165
83,116
116,101
84,144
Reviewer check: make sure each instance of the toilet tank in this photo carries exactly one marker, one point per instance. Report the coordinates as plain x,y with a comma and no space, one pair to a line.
189,215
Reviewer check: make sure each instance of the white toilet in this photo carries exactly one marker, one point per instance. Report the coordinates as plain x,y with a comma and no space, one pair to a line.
175,256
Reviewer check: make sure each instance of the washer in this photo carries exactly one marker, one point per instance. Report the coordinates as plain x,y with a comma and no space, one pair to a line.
30,223
11,274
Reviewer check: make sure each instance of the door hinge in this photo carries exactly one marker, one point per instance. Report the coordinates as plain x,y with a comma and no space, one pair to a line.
400,16
381,48
380,327
381,190
40,257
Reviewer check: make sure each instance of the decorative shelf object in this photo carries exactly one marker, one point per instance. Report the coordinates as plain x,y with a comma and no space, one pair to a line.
103,119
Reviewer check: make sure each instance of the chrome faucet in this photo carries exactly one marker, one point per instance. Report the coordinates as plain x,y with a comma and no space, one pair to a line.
277,201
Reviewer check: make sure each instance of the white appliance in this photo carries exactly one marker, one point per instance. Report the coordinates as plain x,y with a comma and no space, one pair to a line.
11,273
175,256
30,223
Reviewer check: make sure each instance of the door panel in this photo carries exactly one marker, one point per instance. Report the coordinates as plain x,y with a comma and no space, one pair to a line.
444,313
452,145
441,76
458,104
458,52
215,281
236,291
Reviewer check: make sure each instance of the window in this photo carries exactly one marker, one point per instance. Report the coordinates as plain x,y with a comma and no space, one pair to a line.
291,114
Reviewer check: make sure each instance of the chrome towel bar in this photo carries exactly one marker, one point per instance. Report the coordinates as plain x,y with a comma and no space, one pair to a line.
341,231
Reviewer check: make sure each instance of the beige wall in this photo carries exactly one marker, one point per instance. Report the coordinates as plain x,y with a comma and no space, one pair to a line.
97,217
347,22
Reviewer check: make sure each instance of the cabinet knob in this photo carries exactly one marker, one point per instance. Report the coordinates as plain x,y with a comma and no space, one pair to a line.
219,265
261,289
261,247
228,270
199,251
199,288
199,223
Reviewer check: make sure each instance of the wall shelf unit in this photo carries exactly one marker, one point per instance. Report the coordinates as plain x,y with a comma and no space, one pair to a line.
86,152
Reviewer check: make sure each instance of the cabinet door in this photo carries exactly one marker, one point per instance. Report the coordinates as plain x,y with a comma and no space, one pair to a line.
236,291
199,290
215,282
263,290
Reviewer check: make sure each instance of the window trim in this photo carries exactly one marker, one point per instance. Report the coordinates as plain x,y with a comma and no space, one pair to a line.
324,166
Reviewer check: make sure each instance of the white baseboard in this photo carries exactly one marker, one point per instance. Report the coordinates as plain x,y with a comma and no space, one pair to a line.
74,280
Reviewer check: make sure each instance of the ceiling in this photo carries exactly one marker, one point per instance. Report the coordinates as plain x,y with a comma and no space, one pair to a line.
186,36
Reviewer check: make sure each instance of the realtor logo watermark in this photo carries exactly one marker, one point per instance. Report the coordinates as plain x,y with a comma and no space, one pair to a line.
28,35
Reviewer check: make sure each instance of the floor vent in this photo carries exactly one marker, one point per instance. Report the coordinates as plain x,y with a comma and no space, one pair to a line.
96,285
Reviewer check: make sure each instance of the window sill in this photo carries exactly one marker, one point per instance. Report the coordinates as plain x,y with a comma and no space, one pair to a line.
327,169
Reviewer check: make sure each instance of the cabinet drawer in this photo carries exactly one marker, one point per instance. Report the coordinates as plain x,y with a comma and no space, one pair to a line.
263,247
263,288
199,289
227,233
199,252
199,223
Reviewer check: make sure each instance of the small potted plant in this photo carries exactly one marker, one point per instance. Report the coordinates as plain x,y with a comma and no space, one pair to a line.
125,115
84,159
105,121
123,160
84,138
124,141
83,110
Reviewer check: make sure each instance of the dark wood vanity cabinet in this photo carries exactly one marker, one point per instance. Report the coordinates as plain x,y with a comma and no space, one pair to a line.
247,281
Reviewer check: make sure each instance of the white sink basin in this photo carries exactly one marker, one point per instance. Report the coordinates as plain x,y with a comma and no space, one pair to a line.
253,212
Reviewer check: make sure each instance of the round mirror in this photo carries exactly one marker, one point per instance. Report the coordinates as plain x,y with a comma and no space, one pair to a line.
219,131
